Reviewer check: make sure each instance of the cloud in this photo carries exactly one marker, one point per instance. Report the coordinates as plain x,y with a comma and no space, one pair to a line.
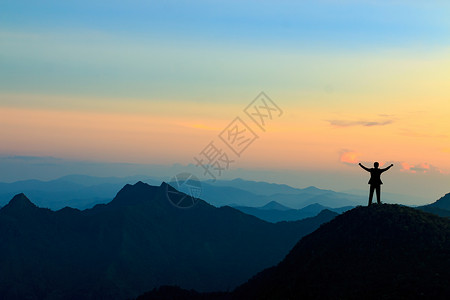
349,157
346,123
422,168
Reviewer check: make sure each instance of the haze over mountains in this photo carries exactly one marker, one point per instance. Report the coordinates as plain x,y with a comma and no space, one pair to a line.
240,192
80,191
136,242
275,212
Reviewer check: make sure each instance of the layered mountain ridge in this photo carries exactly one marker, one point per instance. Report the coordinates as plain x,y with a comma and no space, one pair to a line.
136,242
377,252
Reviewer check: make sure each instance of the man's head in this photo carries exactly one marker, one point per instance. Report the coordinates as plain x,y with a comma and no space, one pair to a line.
376,165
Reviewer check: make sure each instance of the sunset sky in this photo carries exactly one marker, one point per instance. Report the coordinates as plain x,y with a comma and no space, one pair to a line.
153,82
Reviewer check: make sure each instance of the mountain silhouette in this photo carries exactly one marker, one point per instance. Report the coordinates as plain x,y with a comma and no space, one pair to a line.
82,192
78,191
135,243
239,192
275,205
377,252
443,202
441,207
275,212
19,203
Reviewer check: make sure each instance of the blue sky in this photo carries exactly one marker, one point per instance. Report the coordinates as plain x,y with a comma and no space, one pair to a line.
61,47
377,23
108,71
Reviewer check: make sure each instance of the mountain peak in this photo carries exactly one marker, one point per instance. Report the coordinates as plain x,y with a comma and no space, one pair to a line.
275,205
20,201
314,206
141,192
311,189
137,186
326,212
19,204
167,186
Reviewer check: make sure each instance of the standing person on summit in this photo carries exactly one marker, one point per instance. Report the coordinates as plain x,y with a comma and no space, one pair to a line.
375,180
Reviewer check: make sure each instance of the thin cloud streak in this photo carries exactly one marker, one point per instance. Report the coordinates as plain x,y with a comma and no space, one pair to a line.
346,123
421,168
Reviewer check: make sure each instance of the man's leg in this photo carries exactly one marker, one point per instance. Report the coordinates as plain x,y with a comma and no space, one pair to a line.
371,194
378,190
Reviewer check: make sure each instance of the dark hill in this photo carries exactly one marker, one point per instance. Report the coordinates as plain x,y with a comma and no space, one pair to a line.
136,242
443,203
441,207
378,252
20,204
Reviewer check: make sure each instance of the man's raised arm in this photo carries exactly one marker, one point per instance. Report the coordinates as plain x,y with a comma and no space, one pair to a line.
385,169
367,169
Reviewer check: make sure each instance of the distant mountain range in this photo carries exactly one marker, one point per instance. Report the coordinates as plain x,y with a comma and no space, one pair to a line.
140,241
276,212
80,191
239,192
76,191
377,252
251,197
134,243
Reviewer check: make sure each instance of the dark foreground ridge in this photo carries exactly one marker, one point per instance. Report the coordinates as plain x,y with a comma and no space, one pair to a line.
377,252
135,243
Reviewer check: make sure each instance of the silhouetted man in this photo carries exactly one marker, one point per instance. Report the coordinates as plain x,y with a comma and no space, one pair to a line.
375,180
